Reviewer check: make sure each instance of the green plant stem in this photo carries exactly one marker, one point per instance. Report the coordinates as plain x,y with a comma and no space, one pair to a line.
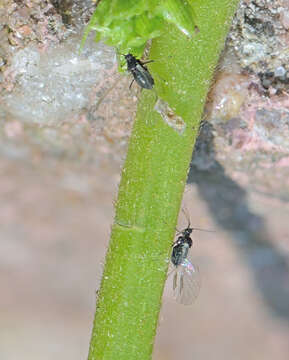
151,188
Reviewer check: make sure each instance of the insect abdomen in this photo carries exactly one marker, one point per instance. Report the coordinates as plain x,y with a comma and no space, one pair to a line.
179,253
143,78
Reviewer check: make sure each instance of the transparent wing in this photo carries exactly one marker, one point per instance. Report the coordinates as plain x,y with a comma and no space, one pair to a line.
186,282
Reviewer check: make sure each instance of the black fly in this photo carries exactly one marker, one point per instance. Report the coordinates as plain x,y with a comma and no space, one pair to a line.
139,71
186,281
181,246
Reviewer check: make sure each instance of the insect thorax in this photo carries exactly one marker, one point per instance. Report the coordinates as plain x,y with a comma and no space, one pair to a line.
131,62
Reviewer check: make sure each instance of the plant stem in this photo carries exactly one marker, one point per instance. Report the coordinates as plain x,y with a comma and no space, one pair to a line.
151,188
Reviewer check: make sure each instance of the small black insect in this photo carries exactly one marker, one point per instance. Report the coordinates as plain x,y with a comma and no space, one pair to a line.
139,71
186,281
181,246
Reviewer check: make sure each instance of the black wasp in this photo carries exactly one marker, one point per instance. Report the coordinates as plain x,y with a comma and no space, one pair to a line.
139,71
186,281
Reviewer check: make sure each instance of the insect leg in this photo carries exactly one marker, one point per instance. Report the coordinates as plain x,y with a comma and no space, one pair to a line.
146,62
131,83
181,283
175,280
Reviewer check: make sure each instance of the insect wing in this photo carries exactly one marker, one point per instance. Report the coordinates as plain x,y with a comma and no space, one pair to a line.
186,282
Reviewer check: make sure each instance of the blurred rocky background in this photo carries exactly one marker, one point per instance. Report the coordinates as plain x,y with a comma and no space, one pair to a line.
65,119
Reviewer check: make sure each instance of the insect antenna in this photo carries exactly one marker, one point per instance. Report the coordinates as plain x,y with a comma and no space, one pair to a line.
187,217
199,229
189,223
